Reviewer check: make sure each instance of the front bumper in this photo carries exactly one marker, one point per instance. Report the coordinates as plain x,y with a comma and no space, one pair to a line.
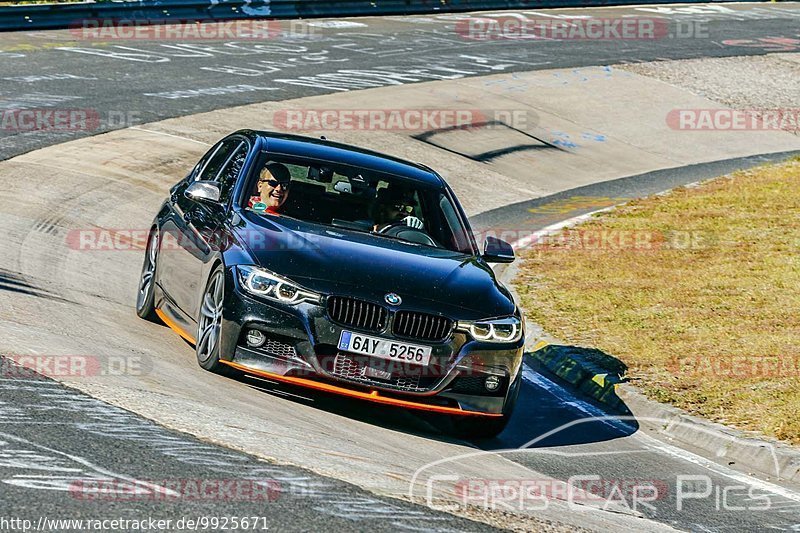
302,350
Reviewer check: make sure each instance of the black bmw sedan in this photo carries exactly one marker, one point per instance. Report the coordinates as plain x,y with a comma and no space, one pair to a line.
340,269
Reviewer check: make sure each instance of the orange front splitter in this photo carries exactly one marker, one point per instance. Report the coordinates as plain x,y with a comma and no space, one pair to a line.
372,396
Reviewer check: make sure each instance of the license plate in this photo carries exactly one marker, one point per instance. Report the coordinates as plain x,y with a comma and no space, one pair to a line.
384,348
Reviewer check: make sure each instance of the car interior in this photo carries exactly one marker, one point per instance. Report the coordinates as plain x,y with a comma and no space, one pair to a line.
363,200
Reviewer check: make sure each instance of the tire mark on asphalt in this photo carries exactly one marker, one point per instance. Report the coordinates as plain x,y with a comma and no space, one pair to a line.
32,401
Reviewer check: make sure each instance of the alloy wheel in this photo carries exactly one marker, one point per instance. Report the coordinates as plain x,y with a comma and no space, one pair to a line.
148,272
210,318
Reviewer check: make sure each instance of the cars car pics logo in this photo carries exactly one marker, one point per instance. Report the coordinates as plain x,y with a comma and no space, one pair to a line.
393,299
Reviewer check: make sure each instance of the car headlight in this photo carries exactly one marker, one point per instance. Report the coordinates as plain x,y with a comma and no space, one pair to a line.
494,330
264,283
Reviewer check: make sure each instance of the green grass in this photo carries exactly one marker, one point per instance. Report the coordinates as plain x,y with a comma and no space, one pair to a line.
713,328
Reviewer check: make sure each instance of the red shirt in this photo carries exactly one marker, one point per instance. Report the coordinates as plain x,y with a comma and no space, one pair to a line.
256,199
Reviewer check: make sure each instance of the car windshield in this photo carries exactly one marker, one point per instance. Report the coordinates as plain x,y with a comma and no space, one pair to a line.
358,199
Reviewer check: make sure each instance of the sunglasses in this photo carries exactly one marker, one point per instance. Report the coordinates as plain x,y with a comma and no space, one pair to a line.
404,208
274,183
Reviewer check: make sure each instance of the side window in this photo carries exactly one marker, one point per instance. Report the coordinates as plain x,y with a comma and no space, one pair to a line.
194,174
456,233
218,159
233,167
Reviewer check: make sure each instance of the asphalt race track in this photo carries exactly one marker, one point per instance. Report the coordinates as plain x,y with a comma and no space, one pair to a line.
57,441
52,435
132,82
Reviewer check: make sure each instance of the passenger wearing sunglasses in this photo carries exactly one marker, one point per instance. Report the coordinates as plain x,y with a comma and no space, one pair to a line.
273,189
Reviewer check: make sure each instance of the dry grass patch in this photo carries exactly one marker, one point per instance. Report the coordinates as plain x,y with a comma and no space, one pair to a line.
707,318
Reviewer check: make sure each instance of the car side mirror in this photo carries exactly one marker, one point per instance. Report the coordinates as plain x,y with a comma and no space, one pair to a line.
497,251
203,191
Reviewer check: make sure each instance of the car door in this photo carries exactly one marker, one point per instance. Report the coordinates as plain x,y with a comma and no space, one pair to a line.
189,231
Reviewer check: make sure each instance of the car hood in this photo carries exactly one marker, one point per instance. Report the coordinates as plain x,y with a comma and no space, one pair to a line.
332,260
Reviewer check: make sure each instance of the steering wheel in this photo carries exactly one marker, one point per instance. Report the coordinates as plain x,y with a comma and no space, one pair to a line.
407,233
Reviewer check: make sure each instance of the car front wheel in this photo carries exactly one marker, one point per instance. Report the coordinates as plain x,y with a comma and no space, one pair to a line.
209,323
145,298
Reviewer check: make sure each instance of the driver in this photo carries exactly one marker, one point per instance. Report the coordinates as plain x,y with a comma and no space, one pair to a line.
395,206
273,189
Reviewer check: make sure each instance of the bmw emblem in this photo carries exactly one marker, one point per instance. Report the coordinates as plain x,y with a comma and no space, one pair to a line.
393,299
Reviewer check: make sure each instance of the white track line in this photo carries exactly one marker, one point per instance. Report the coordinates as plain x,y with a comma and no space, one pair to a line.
586,408
169,135
567,398
536,235
524,242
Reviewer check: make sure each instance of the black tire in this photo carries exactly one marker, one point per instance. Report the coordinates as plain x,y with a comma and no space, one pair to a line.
145,297
209,323
209,358
209,326
481,427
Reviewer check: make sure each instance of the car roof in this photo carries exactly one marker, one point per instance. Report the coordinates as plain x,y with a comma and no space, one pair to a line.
325,150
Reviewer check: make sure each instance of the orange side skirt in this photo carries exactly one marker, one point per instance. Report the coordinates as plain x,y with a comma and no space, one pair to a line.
174,327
